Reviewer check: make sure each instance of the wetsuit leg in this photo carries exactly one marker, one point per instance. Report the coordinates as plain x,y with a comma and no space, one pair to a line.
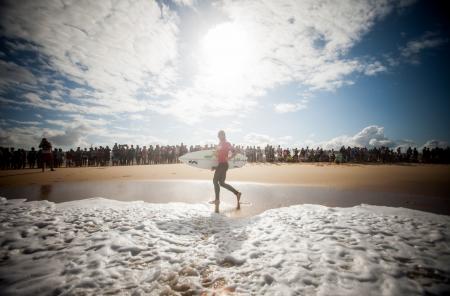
216,178
223,176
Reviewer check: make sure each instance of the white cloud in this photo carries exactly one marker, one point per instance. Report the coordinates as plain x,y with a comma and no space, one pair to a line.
411,51
115,48
30,136
75,130
70,137
20,137
374,68
58,122
265,44
185,2
436,144
306,41
12,75
129,49
72,131
138,117
126,57
132,137
371,136
34,100
192,105
24,122
289,107
285,140
257,139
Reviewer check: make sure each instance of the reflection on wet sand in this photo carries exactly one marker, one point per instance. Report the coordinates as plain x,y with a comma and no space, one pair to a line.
45,192
256,197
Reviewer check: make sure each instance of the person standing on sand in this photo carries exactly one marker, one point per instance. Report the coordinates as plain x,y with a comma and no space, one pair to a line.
220,173
47,155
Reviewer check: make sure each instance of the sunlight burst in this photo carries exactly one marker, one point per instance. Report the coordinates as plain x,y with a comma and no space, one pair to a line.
227,51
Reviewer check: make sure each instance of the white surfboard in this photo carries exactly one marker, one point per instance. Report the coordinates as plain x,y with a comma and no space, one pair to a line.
206,159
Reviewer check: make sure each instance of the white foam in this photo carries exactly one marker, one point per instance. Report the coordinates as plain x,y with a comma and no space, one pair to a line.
100,246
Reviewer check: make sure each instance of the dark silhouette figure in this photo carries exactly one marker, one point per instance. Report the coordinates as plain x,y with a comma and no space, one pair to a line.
32,158
47,155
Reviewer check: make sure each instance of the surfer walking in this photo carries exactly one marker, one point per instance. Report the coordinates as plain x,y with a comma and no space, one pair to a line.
220,173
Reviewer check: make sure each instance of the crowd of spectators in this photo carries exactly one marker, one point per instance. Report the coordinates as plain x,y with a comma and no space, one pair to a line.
347,155
11,158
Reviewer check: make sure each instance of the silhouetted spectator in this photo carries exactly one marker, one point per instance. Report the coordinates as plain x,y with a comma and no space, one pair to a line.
47,155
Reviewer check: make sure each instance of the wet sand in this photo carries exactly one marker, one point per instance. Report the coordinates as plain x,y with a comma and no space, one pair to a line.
414,179
256,197
264,186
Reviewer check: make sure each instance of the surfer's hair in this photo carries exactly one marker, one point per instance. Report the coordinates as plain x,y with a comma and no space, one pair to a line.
221,132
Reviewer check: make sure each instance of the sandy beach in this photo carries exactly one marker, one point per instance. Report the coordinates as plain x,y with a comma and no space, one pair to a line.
429,180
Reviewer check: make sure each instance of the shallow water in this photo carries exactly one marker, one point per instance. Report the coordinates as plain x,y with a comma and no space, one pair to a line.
256,197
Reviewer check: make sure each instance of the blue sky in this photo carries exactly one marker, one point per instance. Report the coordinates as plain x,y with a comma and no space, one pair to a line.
295,73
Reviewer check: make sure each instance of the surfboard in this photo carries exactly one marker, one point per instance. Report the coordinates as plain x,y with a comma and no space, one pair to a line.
206,159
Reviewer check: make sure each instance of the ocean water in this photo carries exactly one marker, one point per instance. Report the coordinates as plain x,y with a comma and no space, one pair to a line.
256,197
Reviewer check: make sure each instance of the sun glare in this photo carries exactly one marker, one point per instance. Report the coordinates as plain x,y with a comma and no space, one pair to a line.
227,52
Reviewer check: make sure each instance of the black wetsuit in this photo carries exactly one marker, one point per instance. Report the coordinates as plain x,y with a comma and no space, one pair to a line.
219,179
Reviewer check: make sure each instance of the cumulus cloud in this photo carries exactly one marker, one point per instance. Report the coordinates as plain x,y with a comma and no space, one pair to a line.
371,136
